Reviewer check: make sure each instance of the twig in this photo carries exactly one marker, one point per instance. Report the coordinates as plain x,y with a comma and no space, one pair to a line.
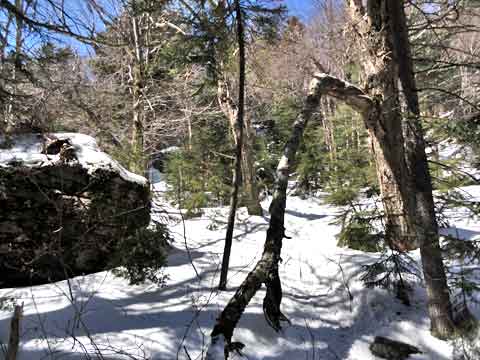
344,281
454,169
190,258
183,224
186,352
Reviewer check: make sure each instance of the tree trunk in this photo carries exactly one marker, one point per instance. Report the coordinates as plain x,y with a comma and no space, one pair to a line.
399,147
328,132
229,108
266,270
238,127
137,140
249,180
384,123
249,173
439,307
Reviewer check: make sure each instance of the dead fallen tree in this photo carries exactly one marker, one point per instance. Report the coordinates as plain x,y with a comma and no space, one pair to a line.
266,270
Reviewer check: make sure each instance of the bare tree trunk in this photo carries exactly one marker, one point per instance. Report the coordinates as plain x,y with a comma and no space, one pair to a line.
384,124
137,140
439,307
249,174
238,127
387,161
329,136
17,59
229,108
14,338
248,159
399,148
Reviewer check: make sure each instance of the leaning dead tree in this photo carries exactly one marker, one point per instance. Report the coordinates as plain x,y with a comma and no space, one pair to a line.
401,169
265,271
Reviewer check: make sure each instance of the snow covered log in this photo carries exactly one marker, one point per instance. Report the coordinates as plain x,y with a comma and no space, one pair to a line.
64,206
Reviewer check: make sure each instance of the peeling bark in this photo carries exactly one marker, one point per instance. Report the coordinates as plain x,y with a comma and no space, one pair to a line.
399,147
384,121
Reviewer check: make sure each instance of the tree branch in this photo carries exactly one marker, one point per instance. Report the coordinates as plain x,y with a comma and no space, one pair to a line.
345,91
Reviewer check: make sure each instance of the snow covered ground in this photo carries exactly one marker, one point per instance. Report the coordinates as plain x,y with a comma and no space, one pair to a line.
102,313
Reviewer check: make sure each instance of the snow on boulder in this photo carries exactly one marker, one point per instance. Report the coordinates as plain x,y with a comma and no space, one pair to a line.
64,207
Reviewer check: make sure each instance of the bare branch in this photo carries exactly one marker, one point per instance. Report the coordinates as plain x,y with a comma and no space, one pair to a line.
342,90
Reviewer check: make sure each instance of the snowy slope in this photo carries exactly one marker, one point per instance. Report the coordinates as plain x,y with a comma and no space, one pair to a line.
107,314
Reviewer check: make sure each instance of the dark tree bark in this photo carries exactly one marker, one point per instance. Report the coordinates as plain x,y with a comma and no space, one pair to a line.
230,109
238,127
439,306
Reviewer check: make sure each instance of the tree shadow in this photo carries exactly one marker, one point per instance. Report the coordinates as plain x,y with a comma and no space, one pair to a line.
305,215
326,324
460,233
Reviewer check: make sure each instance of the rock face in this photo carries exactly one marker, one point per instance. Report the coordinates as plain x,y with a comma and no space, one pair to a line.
64,206
386,348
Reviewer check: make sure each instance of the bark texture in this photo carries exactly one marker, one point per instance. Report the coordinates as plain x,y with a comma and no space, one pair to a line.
248,168
439,306
230,110
384,122
399,147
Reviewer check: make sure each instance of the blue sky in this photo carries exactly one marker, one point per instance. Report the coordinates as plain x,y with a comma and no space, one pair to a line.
301,8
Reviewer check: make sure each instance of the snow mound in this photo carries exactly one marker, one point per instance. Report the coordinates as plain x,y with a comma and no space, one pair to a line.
27,149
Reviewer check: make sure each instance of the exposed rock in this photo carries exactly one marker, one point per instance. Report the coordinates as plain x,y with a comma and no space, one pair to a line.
386,348
64,205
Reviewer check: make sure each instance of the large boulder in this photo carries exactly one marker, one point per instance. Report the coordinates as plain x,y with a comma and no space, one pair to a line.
389,349
64,207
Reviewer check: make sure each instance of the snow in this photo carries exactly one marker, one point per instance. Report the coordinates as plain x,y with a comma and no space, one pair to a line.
165,323
461,154
27,149
170,149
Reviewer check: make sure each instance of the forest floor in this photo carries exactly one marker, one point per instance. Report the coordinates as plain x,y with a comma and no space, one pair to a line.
333,315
